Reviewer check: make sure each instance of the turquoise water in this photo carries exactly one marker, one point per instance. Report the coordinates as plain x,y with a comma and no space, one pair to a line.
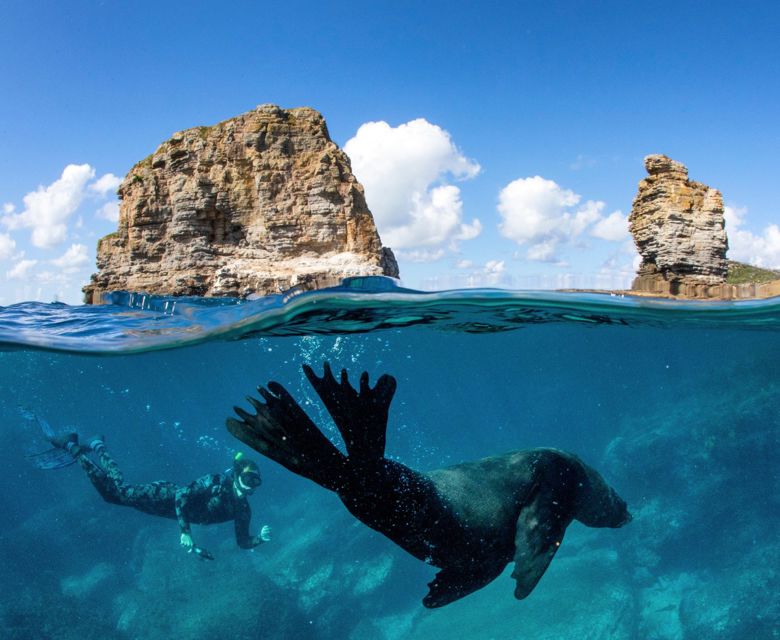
678,406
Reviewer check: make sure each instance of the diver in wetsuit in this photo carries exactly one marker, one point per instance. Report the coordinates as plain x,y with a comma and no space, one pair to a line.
214,498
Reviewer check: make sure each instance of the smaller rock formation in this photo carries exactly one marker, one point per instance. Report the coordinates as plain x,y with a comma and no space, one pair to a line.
255,204
679,231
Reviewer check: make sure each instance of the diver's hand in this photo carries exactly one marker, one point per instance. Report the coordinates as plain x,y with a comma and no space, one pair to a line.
186,542
265,533
202,553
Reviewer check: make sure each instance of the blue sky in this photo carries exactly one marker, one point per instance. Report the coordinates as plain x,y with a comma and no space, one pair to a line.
525,122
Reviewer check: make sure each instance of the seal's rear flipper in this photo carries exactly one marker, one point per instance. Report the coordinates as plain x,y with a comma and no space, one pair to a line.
539,533
361,418
282,431
452,583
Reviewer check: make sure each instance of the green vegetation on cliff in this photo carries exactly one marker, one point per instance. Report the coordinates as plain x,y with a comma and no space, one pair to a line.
740,273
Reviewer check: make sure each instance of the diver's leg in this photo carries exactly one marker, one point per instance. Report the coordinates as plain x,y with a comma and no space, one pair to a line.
155,498
106,486
109,465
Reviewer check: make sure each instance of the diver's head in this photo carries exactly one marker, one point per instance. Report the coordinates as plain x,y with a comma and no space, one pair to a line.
246,476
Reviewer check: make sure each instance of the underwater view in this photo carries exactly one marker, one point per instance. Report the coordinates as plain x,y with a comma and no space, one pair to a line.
676,405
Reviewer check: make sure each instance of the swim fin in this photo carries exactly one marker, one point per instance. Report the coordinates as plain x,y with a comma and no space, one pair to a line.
48,432
53,458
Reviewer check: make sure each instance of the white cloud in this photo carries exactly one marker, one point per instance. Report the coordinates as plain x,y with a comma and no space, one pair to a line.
20,269
7,246
420,255
494,266
613,228
544,251
434,220
543,215
469,274
8,207
73,259
109,211
105,184
404,171
533,208
744,246
52,277
617,271
48,208
491,274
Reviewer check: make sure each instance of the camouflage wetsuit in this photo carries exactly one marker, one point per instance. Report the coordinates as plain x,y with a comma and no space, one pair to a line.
207,500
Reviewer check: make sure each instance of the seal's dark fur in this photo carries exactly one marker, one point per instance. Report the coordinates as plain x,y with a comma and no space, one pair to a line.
469,520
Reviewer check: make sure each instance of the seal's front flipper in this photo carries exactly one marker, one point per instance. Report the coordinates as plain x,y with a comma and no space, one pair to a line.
453,583
282,431
539,533
361,417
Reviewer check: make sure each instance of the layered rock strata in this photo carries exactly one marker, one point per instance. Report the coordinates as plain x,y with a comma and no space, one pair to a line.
256,204
679,231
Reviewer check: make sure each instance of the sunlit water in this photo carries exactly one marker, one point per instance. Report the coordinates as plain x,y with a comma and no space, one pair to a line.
678,405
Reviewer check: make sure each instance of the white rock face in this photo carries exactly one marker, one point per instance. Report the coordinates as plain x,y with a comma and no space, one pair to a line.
679,231
255,204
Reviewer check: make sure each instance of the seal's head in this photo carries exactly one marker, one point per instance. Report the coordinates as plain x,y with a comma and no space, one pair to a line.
622,515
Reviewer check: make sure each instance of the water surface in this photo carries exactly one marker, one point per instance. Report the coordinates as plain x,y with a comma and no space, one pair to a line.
677,404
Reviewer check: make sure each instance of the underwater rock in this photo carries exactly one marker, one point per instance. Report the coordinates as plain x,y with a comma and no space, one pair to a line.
334,568
39,611
582,596
740,602
178,596
81,586
255,204
679,230
372,575
704,478
659,616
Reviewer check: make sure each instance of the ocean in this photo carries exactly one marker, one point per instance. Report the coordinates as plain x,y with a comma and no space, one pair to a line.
676,404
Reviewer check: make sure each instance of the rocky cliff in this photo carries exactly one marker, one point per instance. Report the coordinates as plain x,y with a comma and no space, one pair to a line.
679,230
256,204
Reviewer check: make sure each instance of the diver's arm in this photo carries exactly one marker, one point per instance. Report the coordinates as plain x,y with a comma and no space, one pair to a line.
243,516
184,505
243,539
182,498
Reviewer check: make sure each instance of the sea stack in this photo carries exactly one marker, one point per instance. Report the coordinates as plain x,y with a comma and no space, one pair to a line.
253,205
679,231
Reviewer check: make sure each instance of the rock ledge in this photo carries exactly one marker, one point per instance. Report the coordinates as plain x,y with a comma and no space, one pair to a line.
255,204
679,231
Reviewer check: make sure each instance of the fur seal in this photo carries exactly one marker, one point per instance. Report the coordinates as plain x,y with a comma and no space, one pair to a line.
469,520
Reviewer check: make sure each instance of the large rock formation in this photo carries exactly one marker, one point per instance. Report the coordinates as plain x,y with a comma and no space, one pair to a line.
679,230
255,204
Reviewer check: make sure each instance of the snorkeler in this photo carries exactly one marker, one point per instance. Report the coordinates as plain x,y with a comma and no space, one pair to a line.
211,499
